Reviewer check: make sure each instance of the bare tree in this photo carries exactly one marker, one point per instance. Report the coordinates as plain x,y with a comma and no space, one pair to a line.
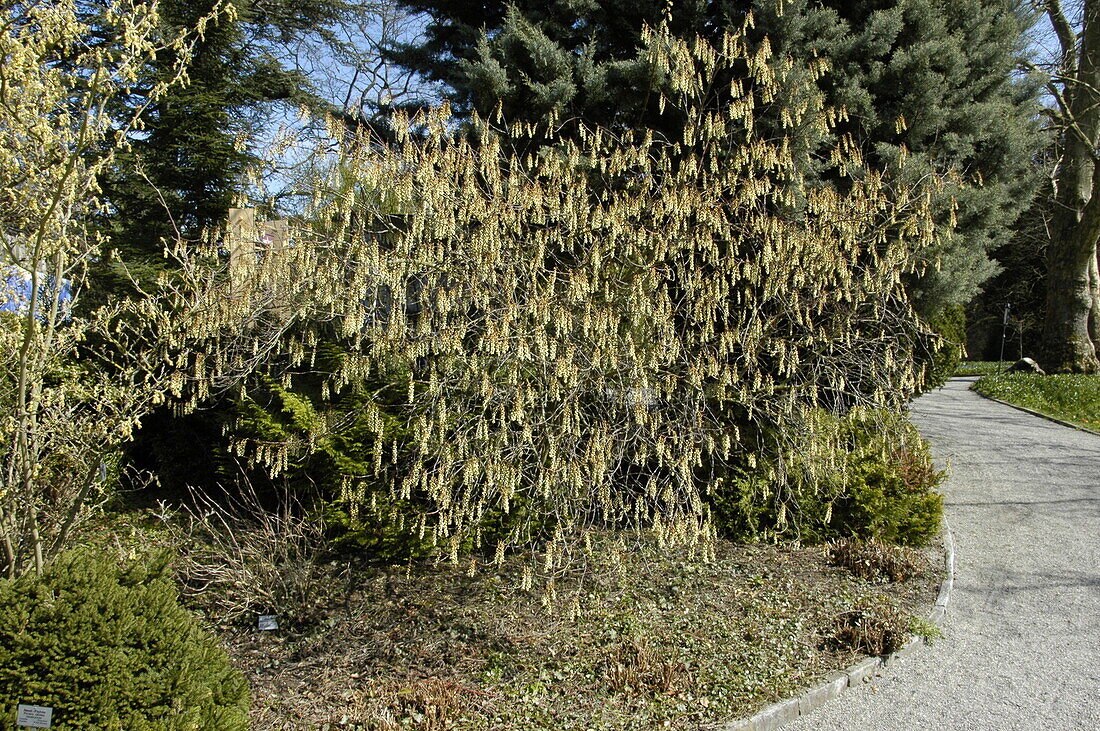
351,83
1072,320
346,61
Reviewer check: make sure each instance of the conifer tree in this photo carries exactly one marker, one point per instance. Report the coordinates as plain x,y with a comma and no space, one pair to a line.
927,85
184,169
189,164
76,379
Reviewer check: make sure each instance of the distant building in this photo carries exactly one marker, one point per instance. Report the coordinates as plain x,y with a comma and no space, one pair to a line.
16,289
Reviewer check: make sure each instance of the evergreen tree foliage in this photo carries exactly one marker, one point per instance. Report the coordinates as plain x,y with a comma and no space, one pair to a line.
188,164
1020,286
928,86
107,646
325,442
931,86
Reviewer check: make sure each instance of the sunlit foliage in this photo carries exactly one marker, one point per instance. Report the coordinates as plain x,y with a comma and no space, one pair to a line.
73,385
589,335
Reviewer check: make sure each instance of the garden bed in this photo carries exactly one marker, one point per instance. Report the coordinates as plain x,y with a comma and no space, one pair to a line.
633,637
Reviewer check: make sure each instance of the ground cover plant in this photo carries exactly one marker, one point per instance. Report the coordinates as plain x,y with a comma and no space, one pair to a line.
636,637
981,367
1072,398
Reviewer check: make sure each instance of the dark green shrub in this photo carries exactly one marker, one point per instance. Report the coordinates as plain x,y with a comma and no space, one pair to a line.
867,474
107,646
891,498
324,454
299,444
950,325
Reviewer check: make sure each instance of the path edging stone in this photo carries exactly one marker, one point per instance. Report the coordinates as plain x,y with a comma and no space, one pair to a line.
1033,412
783,712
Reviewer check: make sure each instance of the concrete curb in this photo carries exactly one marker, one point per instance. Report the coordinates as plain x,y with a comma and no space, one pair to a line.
782,713
1040,414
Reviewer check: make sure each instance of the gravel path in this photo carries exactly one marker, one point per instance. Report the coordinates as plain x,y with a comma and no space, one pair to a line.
1021,645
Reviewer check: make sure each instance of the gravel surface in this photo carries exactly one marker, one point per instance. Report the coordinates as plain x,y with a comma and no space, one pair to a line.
1021,645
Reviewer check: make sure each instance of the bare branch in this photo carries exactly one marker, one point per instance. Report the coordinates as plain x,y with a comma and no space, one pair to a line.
1067,39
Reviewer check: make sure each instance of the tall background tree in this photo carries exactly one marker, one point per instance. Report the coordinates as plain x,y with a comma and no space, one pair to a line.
75,379
928,86
1005,321
256,64
189,162
1071,327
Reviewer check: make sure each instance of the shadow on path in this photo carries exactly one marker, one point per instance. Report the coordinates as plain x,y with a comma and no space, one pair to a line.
1021,645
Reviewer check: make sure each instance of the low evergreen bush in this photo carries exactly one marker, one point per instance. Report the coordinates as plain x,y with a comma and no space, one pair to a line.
867,474
107,646
293,445
944,360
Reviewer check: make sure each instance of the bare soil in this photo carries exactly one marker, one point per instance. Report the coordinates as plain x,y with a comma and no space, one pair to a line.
629,638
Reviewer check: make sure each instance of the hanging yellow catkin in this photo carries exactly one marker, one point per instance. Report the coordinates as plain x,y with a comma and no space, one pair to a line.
582,333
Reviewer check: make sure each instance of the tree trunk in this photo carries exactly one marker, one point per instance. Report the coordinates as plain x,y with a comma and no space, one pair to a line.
1067,343
1071,297
1094,313
1068,340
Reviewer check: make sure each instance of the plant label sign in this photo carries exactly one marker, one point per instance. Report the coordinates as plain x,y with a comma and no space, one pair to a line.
267,622
34,716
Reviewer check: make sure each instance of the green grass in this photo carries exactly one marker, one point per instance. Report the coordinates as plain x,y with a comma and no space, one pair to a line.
1071,398
981,367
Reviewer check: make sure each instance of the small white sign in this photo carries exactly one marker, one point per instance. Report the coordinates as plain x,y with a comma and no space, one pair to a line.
34,716
267,621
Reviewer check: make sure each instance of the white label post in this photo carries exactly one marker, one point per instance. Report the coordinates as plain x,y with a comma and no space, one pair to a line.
34,716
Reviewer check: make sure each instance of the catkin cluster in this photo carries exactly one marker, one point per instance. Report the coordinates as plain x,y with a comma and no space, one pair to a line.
590,329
